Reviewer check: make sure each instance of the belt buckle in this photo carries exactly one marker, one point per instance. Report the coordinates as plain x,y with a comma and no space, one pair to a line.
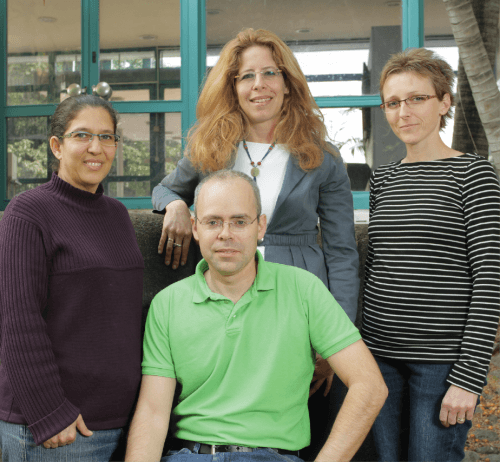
212,449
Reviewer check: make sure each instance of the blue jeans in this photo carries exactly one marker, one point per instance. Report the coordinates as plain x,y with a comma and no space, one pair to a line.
408,426
17,444
259,455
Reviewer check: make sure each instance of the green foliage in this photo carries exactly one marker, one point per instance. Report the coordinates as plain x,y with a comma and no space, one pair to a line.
27,143
26,74
31,160
136,161
27,136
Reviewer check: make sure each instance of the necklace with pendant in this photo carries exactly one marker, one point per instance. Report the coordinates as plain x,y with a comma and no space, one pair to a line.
255,168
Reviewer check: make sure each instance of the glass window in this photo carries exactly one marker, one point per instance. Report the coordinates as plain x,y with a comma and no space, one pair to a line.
43,50
28,154
340,48
345,130
349,129
140,49
149,149
363,136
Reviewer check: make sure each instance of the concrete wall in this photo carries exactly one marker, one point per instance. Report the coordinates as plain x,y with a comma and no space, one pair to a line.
383,145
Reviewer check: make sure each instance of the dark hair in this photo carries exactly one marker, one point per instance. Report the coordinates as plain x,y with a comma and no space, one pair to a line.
427,64
227,174
69,109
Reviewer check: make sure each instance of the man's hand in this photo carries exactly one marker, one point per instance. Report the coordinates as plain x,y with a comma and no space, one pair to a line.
68,435
176,233
322,372
457,405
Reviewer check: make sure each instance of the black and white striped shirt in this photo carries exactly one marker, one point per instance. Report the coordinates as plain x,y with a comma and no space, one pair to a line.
432,287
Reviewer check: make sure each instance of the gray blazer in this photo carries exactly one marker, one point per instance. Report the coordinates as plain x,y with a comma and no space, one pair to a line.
291,236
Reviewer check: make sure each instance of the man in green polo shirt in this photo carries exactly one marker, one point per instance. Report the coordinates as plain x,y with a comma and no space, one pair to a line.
239,336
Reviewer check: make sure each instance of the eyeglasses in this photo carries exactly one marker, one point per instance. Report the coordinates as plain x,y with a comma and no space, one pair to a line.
106,139
390,106
237,225
268,74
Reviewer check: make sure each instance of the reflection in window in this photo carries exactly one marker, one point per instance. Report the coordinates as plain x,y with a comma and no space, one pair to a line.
329,72
349,130
28,155
140,46
142,74
149,149
43,58
339,48
345,130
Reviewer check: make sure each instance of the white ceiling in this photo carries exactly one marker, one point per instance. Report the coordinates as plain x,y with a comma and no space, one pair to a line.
123,22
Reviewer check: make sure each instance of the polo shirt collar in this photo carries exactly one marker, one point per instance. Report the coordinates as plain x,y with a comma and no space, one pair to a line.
263,281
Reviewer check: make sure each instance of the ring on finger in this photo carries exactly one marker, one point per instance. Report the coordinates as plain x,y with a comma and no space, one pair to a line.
170,239
177,245
460,420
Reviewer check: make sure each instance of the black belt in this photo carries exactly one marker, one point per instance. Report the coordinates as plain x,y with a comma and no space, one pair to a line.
214,448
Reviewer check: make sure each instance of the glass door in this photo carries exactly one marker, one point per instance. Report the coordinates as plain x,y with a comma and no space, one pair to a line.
44,56
140,58
54,48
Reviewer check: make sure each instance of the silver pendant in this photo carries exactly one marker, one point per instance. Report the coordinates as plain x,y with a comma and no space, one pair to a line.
255,171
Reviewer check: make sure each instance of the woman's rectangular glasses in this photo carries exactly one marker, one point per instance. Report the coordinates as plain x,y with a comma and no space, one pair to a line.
268,74
106,139
389,106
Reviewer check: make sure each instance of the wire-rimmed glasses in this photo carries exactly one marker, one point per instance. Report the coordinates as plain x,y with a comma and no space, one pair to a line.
415,100
268,74
235,225
106,139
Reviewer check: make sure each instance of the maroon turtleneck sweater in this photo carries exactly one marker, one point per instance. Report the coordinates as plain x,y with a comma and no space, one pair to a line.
70,310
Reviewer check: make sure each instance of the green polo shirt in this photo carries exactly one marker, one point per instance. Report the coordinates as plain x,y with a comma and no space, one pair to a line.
245,368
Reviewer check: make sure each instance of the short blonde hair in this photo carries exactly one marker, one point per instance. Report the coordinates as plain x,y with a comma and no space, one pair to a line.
425,63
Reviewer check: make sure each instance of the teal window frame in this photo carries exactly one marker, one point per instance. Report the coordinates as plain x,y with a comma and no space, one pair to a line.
193,59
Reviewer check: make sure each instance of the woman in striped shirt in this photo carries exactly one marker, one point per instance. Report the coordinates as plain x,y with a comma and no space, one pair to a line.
432,288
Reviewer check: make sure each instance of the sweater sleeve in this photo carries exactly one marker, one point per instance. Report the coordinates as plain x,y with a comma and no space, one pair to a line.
27,353
336,214
481,203
180,184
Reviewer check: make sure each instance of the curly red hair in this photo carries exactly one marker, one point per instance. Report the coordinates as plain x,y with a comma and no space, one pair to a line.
221,124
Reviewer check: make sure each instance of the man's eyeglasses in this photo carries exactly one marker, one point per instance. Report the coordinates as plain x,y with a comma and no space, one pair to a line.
268,74
106,139
389,106
236,225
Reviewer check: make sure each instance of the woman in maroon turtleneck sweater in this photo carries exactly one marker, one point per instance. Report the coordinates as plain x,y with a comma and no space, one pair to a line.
70,300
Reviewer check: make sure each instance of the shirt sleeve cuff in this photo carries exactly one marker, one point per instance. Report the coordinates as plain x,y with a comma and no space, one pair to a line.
54,423
472,380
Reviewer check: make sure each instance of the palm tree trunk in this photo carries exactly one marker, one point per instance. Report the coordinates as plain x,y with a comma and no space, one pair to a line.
478,69
468,133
